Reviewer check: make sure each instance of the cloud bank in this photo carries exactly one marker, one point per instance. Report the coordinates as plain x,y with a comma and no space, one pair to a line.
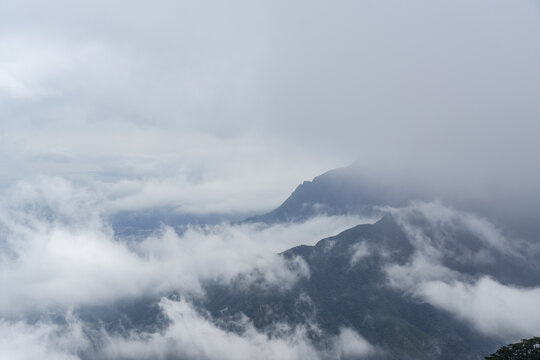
58,250
58,253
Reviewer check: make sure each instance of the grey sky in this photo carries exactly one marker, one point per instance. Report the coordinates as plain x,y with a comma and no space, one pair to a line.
243,99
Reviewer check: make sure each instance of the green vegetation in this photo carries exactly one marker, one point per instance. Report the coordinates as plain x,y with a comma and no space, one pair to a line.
527,349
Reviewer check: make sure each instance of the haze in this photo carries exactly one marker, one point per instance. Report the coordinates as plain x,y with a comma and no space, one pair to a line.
242,100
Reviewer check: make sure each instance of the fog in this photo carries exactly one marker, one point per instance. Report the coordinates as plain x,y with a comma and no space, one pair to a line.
241,101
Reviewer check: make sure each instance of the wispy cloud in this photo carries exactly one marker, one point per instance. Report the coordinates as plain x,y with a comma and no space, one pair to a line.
190,333
434,274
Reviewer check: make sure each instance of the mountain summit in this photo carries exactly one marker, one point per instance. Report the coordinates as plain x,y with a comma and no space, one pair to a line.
336,192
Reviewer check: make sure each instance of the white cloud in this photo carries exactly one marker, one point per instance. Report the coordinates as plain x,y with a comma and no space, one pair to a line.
437,230
504,311
350,345
419,269
57,251
194,336
359,251
190,334
494,309
42,340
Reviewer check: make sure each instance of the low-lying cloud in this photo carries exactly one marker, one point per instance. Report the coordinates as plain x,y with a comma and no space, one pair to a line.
57,250
495,309
190,334
23,340
504,311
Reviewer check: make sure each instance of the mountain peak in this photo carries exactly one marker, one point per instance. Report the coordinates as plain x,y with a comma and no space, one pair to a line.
336,192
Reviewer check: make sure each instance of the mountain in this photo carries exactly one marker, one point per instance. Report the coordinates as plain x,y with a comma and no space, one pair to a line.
336,192
353,281
349,190
370,278
349,286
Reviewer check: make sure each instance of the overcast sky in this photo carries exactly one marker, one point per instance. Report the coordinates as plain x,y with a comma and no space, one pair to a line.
230,104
